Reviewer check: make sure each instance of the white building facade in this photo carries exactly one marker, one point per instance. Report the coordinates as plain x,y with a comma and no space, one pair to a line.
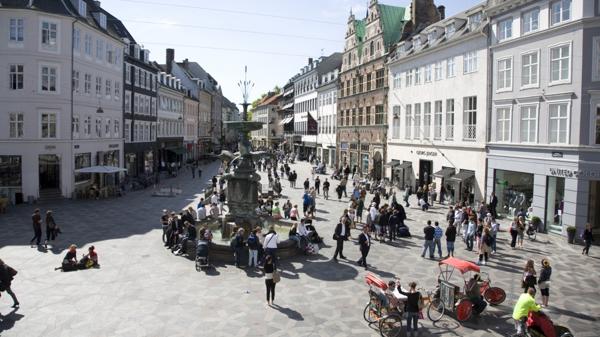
437,128
544,149
327,117
62,105
170,122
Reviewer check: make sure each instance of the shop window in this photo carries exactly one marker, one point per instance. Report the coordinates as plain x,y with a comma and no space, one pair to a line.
10,171
514,191
555,192
83,160
594,205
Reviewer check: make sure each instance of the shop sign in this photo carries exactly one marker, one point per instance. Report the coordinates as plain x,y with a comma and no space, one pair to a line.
567,173
50,147
113,146
427,153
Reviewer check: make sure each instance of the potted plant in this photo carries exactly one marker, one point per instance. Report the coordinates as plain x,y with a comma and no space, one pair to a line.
571,230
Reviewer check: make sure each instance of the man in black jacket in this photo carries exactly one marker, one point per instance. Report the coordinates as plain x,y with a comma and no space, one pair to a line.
364,239
429,231
6,276
342,231
394,222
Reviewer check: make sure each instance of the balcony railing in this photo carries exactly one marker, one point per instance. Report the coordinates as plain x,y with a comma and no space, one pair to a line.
469,131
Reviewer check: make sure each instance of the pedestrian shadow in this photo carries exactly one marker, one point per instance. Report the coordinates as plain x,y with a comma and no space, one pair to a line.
574,314
8,321
290,313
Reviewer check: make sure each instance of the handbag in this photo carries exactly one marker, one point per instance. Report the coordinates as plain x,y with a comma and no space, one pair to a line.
335,236
276,276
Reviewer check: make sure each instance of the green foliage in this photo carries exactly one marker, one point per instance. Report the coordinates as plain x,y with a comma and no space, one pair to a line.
571,229
536,220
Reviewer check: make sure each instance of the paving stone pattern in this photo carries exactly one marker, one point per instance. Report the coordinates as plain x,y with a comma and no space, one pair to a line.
143,290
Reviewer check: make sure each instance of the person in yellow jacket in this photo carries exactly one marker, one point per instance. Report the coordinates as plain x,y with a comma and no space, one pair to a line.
524,305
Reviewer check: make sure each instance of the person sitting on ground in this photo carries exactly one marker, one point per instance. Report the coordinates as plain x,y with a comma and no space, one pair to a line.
89,260
69,263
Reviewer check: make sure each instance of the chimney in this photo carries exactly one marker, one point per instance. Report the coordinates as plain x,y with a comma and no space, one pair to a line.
170,59
310,60
442,10
97,3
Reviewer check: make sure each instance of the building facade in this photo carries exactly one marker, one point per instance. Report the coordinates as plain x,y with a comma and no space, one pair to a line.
305,110
437,129
62,105
544,148
268,112
327,92
362,99
287,107
170,121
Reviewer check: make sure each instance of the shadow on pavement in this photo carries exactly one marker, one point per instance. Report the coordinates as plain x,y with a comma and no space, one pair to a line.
7,321
290,313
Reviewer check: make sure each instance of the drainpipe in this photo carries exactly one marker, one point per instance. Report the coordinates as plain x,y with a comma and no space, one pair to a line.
71,151
490,69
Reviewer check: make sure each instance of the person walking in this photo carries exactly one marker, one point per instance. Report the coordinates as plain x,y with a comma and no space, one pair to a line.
484,246
520,231
326,185
450,239
544,281
318,185
37,227
342,231
588,238
494,228
270,244
413,302
470,235
525,304
7,274
529,276
306,184
514,232
269,269
428,243
51,228
406,196
364,240
437,238
252,242
360,207
393,224
493,204
238,246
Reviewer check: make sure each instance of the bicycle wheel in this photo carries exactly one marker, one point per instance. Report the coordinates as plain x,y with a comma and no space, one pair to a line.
464,310
370,313
435,310
494,295
390,326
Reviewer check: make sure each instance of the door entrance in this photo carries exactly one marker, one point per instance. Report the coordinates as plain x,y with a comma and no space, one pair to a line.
377,166
49,171
425,168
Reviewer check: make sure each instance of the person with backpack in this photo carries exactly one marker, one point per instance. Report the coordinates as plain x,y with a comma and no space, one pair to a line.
252,244
485,244
237,243
7,274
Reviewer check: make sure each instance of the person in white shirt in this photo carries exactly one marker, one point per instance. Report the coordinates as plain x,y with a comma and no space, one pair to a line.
270,244
214,199
201,213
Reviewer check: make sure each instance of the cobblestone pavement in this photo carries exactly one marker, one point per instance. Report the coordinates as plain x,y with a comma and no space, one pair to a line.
143,290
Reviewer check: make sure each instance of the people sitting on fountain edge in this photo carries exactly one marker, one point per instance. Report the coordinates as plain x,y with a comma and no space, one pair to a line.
189,235
201,211
214,211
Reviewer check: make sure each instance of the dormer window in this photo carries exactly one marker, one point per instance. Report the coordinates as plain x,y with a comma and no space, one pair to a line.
417,43
450,30
474,20
103,20
431,36
82,8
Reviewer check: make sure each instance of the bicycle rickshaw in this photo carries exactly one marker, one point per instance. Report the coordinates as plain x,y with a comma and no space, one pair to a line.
380,311
450,297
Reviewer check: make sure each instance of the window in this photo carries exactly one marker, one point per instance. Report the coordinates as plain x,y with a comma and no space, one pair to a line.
82,8
438,71
450,67
531,20
596,58
417,121
15,120
379,78
504,81
83,160
103,20
417,76
16,28
470,62
396,122
76,39
136,103
470,118
75,126
397,81
560,11
505,29
10,171
87,85
75,81
528,124
98,127
503,124
117,91
379,115
529,69
110,54
559,122
408,121
409,77
98,86
49,78
128,131
428,73
16,76
107,128
449,119
598,125
450,29
48,125
437,120
560,63
88,44
108,88
127,74
87,126
474,20
427,119
49,33
99,49
368,84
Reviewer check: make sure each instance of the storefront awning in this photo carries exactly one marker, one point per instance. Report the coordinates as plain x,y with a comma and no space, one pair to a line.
393,163
404,166
462,176
100,169
288,106
445,172
286,120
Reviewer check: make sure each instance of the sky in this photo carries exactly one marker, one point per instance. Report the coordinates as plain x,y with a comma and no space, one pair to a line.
274,38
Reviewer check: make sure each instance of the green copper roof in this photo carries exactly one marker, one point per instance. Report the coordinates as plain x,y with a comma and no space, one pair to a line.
359,28
392,19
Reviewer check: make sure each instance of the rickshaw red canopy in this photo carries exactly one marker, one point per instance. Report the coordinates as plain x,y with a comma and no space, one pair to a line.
373,280
462,265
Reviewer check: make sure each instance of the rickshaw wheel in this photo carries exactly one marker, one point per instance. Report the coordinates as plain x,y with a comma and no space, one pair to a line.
464,310
390,326
494,295
562,331
370,314
435,310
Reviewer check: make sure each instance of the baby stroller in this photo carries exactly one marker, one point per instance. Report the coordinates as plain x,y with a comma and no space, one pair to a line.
540,325
531,230
202,250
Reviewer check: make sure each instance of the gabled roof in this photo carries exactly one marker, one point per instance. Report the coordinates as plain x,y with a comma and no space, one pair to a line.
392,19
270,100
